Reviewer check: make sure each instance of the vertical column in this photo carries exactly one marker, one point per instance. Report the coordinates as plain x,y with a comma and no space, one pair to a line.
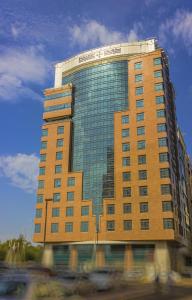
73,258
47,258
100,257
128,260
162,259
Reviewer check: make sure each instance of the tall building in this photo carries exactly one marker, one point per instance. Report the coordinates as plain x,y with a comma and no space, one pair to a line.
110,185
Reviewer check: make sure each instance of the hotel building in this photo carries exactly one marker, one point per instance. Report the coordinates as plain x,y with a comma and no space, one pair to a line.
114,185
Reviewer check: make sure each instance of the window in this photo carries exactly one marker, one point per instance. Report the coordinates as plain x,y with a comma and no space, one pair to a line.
141,130
162,142
37,228
142,159
57,182
45,132
127,208
56,197
60,129
127,224
126,161
38,213
42,171
161,113
70,196
126,176
60,143
125,147
42,157
110,209
110,225
71,181
84,226
68,227
138,65
163,156
59,155
141,145
69,211
40,184
138,77
159,86
143,207
140,117
144,223
55,212
165,189
160,99
43,145
139,103
157,61
127,192
158,74
125,132
54,227
85,210
142,174
139,90
58,169
125,119
168,224
161,127
167,206
143,191
165,173
39,198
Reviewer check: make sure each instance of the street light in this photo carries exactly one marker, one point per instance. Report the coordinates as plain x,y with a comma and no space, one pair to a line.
45,225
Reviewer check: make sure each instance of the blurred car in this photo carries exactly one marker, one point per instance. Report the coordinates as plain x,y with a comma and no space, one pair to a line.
105,278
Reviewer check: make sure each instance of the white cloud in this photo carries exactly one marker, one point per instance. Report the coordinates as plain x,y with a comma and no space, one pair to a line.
93,33
21,170
18,69
178,28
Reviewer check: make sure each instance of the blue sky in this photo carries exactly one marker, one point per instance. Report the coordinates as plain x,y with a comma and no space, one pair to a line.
34,35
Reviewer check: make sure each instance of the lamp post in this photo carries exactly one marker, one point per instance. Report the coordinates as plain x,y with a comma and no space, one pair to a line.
45,225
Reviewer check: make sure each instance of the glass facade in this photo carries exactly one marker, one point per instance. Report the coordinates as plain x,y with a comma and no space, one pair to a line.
100,91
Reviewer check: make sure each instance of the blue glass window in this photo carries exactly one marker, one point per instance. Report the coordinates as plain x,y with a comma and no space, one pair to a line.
39,198
60,129
158,74
69,211
144,207
57,183
37,228
110,225
167,206
140,117
165,189
71,181
58,169
45,132
168,223
125,119
55,212
127,208
42,171
139,103
127,225
142,174
164,173
141,130
142,159
43,145
126,161
157,61
56,197
163,142
144,223
59,155
160,99
163,156
58,95
127,192
54,227
161,127
57,107
38,213
85,210
138,65
42,157
138,77
84,226
159,86
139,90
110,209
70,196
126,176
60,143
68,227
125,147
141,145
125,132
160,113
41,184
143,191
